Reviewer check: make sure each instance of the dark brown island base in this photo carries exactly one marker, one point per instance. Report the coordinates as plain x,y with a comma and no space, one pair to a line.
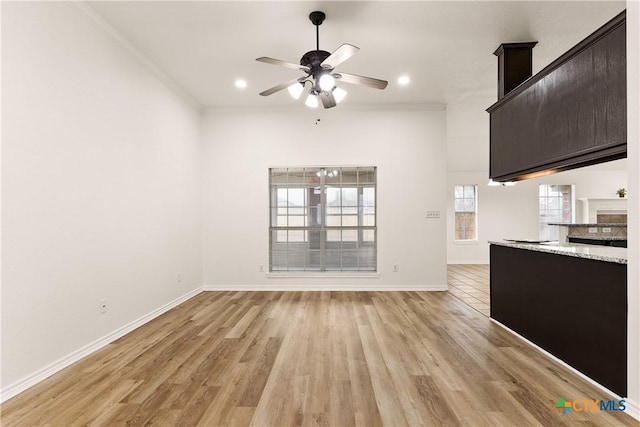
570,300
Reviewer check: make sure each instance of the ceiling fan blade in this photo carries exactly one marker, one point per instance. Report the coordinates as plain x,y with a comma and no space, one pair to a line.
361,80
274,61
328,101
340,55
279,87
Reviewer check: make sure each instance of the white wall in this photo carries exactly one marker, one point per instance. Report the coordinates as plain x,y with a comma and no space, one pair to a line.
512,212
633,135
100,188
468,132
407,146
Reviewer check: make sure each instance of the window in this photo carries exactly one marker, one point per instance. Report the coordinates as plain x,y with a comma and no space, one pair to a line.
556,206
465,208
323,219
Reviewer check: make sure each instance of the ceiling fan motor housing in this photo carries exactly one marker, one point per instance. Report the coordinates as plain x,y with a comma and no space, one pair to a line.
313,59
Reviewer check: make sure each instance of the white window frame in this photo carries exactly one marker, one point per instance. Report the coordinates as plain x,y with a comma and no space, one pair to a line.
325,247
456,210
544,209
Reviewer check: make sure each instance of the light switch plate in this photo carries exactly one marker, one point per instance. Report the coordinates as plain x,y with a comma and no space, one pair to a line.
433,214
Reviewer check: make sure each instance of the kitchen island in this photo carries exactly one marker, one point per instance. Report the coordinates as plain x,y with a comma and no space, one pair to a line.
568,299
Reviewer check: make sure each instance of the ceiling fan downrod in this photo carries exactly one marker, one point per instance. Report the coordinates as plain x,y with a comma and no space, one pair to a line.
317,18
314,58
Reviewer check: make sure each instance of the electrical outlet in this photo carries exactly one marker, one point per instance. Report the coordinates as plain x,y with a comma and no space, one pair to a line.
261,268
103,306
395,268
179,277
593,230
433,214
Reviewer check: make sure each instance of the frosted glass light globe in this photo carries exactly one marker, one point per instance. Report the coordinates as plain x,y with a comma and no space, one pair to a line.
327,82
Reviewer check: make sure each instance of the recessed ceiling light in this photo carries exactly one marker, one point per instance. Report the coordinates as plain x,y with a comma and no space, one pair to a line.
404,80
241,84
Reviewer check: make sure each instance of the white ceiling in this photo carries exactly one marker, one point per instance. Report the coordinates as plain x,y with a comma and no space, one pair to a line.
446,47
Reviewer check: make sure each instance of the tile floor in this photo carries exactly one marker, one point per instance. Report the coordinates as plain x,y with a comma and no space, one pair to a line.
470,284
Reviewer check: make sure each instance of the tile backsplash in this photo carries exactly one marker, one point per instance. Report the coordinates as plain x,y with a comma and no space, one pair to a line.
611,219
600,231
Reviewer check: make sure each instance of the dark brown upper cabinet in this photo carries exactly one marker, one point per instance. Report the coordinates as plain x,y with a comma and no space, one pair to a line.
571,114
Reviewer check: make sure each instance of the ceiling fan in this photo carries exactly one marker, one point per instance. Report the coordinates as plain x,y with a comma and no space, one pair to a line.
319,67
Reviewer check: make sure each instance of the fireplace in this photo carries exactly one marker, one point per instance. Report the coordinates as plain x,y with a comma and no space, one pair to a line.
602,211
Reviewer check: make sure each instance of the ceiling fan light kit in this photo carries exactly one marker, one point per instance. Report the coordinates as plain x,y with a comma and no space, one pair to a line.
319,68
326,82
295,90
312,101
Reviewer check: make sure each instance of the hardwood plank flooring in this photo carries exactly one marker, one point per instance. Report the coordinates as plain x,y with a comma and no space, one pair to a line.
309,359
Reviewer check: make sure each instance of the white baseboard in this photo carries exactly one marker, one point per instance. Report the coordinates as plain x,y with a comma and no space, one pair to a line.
468,262
632,408
40,375
322,287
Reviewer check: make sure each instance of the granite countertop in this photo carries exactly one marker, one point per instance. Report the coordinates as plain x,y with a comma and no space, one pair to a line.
611,224
599,253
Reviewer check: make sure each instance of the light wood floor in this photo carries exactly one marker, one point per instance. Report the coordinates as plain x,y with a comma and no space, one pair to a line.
312,358
470,284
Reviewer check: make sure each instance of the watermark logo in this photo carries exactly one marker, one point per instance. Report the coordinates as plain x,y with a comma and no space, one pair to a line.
563,406
589,405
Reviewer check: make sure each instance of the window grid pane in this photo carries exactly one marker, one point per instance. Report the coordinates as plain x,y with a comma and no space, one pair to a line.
323,219
465,212
555,206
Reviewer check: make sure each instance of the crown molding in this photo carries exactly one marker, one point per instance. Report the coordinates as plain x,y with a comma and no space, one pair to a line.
345,107
121,41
